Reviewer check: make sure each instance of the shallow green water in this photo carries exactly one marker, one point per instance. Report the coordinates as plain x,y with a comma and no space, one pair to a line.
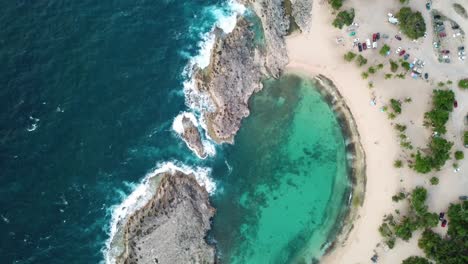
289,178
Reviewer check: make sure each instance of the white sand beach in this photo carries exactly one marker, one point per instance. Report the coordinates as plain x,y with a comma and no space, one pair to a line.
317,52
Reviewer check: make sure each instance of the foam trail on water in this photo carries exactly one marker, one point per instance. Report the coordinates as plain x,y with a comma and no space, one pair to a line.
140,195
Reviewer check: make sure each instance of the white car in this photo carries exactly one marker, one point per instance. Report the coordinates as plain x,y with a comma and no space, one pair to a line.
368,43
374,45
398,50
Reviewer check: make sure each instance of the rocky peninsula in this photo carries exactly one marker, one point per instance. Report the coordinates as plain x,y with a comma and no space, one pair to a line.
238,66
171,227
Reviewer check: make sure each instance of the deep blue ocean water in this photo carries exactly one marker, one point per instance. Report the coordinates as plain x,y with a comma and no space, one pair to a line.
89,92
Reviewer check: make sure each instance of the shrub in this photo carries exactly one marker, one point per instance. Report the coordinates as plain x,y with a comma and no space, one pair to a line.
398,197
414,259
380,66
364,75
360,60
400,127
459,155
336,4
344,18
418,199
442,105
422,164
398,164
465,138
463,83
371,70
396,105
388,76
384,50
349,56
393,66
405,65
411,23
404,230
434,181
440,149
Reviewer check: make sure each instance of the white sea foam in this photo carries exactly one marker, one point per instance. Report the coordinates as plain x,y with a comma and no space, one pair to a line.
226,19
141,194
178,127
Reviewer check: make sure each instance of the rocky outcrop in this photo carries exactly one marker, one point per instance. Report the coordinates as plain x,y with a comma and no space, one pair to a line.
192,137
171,227
233,76
301,11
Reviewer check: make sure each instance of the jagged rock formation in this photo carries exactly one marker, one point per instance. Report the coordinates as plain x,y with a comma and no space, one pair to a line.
192,137
171,227
301,11
238,66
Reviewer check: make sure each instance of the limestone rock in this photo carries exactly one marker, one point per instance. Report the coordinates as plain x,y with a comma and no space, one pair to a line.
171,227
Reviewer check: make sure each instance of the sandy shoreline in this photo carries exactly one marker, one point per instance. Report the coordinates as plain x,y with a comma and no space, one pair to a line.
316,53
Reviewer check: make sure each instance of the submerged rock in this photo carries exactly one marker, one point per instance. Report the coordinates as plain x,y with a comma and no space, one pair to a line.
171,227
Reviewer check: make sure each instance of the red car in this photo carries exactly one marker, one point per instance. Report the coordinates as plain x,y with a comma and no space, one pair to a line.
402,52
444,223
445,51
442,35
455,104
374,37
364,46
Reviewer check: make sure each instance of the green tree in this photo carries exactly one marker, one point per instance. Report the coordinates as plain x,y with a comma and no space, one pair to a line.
459,155
405,228
336,4
418,200
360,60
414,259
411,23
463,83
343,18
422,164
396,105
349,56
393,66
384,50
434,181
440,149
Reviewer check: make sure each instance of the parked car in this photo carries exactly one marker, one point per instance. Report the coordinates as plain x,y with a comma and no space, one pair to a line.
398,50
445,51
455,103
364,46
402,53
463,197
426,76
368,43
374,37
378,35
444,223
374,45
359,45
441,216
442,34
406,56
397,37
428,6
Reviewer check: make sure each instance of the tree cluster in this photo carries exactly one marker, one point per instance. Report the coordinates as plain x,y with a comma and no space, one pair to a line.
418,218
412,23
439,148
343,18
452,249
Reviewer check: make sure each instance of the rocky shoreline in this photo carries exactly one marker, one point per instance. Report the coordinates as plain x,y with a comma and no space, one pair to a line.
171,227
356,161
238,66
